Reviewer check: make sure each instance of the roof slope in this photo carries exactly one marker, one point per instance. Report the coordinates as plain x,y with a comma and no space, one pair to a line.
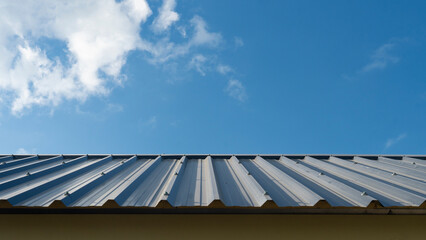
213,181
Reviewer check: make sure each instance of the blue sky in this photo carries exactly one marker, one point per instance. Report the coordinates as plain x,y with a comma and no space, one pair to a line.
338,77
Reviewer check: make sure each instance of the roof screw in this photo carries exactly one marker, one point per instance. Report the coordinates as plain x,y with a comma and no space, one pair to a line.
28,173
166,193
265,193
66,193
297,162
122,161
176,173
63,162
102,173
393,174
248,173
321,173
364,194
355,163
413,163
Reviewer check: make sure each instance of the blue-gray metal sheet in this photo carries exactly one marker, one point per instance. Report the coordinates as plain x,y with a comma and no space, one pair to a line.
212,181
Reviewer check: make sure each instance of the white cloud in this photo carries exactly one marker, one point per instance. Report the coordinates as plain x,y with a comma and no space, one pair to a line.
145,124
152,121
165,50
197,62
224,69
381,58
174,123
182,31
166,16
392,141
98,36
236,90
238,42
114,108
23,151
201,35
99,114
94,38
137,9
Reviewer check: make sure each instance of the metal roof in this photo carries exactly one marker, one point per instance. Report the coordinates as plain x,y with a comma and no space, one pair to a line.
213,181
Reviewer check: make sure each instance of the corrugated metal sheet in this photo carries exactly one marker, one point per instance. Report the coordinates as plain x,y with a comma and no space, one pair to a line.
213,181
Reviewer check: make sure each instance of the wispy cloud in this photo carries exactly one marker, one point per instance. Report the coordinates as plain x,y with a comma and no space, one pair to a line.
236,90
202,36
23,151
182,31
148,123
94,48
392,141
223,69
381,58
164,50
99,114
238,42
152,121
197,62
114,108
166,16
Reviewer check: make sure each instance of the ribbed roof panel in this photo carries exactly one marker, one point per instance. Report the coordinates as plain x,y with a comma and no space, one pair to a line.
212,181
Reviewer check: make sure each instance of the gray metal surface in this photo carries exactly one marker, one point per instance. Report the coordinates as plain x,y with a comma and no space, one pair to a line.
213,181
